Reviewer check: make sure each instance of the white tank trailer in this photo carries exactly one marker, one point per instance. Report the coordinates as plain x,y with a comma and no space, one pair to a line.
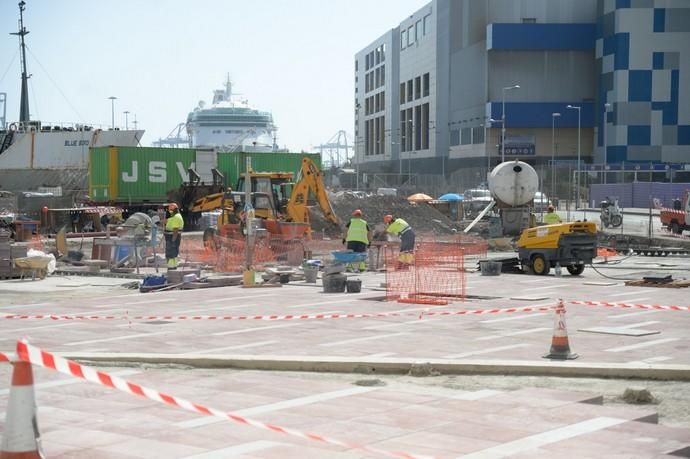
513,185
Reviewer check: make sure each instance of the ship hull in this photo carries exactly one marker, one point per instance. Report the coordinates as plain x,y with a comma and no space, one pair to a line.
61,149
56,158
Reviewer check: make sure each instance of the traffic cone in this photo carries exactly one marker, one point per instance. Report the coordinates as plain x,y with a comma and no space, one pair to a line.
560,348
21,439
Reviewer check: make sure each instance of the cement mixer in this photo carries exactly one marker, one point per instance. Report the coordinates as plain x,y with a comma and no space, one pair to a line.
513,185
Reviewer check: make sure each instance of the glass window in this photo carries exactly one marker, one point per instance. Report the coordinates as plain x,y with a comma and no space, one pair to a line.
478,135
383,75
383,135
418,30
410,35
427,24
466,136
356,65
417,87
403,39
425,126
409,90
378,77
383,101
366,137
402,92
378,56
454,137
383,52
417,127
425,85
529,20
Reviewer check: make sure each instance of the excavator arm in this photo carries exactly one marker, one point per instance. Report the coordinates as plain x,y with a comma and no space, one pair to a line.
310,179
212,202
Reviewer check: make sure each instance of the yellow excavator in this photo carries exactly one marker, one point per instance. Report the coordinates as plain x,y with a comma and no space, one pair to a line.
279,202
309,179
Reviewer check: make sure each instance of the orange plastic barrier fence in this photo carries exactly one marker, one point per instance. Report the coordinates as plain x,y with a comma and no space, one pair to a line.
227,254
435,274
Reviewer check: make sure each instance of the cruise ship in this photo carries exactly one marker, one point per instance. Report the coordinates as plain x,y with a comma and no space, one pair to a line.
40,154
231,125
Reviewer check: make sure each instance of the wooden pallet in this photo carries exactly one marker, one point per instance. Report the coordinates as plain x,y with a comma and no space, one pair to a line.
672,284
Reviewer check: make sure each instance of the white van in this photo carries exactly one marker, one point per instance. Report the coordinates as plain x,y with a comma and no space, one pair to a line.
541,202
386,192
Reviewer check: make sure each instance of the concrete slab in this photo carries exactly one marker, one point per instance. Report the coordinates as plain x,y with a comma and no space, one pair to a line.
620,331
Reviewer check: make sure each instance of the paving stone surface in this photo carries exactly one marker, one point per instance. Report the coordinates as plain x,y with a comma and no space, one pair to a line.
80,420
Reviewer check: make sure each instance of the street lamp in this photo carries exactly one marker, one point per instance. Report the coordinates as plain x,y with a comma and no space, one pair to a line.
503,119
357,147
577,182
606,149
112,110
126,112
553,151
486,144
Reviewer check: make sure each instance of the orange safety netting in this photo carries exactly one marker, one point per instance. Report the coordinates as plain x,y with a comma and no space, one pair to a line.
434,274
227,254
606,252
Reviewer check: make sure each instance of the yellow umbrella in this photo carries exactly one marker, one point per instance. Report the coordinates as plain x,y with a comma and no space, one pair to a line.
419,197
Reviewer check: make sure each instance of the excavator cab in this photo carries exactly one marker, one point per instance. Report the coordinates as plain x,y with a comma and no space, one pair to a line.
277,185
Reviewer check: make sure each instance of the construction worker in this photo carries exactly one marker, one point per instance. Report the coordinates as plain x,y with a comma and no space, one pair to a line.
357,236
551,217
401,228
174,225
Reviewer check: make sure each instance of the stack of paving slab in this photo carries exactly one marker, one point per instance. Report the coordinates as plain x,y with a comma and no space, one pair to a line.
8,252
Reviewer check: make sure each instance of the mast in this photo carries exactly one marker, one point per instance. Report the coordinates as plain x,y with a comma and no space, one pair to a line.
24,103
228,88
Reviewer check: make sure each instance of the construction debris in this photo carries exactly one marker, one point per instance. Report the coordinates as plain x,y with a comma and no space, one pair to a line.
638,395
665,281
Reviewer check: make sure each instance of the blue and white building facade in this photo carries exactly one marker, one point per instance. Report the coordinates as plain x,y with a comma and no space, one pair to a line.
449,66
643,62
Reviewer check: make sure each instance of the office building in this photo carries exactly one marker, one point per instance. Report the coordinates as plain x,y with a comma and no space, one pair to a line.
429,93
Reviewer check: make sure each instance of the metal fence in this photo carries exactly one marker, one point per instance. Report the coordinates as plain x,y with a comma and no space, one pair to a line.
559,182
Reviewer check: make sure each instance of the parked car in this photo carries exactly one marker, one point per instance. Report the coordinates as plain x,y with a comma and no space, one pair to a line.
541,202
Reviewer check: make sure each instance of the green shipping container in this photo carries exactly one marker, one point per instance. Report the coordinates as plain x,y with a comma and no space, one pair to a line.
234,164
136,174
130,175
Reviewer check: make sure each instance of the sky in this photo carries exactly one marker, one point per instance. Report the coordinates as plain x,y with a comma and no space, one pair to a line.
161,57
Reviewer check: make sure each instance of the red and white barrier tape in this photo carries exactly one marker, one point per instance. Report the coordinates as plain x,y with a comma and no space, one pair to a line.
36,356
632,305
281,317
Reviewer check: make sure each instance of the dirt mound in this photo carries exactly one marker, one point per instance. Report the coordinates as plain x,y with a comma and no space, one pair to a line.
421,216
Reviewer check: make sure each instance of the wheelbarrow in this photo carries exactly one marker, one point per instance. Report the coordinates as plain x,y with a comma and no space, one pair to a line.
37,266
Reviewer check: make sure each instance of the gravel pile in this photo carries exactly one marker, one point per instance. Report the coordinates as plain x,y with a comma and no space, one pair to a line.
421,216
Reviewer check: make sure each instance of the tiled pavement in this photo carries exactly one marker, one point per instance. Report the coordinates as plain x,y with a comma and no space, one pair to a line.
83,420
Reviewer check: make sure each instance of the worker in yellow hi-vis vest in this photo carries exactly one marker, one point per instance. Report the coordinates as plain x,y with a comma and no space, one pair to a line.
403,229
357,236
551,217
173,235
